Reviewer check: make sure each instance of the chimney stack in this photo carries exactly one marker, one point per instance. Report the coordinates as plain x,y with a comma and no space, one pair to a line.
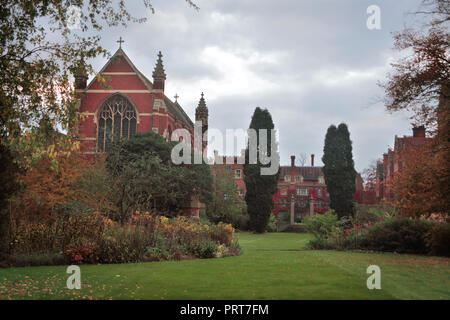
312,160
292,161
419,132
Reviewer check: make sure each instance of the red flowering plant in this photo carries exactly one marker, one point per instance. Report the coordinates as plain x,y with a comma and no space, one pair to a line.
84,253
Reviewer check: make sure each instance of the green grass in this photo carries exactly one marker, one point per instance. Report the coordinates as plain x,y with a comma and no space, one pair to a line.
273,266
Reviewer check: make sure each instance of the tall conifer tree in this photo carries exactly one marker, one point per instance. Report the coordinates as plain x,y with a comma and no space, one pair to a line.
339,169
260,188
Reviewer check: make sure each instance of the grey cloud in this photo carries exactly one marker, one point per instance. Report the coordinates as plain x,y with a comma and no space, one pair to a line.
308,37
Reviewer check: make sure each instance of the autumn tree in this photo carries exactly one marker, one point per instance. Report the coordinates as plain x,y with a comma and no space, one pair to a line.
369,176
420,84
415,184
46,188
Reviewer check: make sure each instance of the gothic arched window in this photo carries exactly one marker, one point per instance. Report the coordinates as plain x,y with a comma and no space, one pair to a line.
116,118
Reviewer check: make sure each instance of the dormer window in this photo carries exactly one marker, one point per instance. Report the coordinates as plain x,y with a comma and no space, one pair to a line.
287,178
299,179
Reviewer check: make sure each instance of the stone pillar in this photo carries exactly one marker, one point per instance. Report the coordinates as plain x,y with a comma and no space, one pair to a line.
311,206
292,209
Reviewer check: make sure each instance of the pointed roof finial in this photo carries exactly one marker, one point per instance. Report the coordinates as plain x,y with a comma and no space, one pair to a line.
120,41
159,68
202,104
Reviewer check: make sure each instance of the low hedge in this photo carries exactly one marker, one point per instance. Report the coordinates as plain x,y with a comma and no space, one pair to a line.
398,235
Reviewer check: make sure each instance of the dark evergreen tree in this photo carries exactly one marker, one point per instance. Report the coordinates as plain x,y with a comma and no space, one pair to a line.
260,188
339,169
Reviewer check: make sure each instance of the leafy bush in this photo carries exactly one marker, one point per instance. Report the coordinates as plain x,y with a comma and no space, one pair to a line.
222,251
321,225
318,244
438,239
85,253
92,239
123,245
222,233
54,235
272,224
235,248
203,249
398,235
243,222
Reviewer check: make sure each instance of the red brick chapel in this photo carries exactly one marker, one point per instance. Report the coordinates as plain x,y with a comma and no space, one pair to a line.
127,102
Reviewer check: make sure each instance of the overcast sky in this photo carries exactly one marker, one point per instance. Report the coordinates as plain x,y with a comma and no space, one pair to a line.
312,63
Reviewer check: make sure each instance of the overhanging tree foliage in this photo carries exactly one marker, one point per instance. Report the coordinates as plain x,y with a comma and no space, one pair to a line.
339,169
260,188
41,44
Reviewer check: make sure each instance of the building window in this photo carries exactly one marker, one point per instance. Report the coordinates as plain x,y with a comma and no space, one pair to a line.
283,192
321,180
302,191
319,192
117,118
238,174
287,178
298,179
241,192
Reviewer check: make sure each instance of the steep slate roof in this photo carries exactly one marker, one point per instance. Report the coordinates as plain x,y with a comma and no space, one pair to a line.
174,109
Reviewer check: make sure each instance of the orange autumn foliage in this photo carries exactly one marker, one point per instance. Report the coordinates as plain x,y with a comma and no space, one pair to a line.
47,187
420,187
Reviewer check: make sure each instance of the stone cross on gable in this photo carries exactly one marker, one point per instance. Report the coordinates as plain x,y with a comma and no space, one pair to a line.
176,97
120,41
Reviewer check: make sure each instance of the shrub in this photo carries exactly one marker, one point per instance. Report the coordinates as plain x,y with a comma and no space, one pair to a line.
123,245
235,248
272,224
398,235
84,253
243,222
438,239
203,249
54,235
321,225
318,244
222,251
222,233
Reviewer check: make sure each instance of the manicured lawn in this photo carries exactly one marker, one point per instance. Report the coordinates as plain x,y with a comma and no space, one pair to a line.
273,266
